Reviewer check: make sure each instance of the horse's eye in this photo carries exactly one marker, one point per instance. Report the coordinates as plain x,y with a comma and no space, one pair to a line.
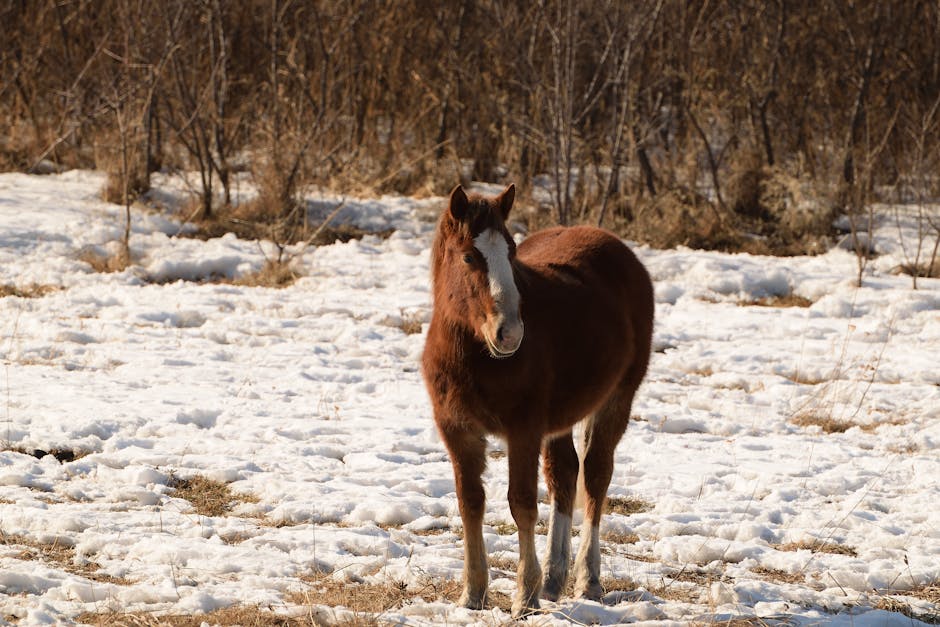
468,258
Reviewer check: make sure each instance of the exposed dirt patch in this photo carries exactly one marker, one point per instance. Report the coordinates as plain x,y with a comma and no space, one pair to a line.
63,455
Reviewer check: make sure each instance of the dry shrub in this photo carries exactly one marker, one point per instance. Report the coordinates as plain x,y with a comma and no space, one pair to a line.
208,496
929,270
109,158
682,218
775,206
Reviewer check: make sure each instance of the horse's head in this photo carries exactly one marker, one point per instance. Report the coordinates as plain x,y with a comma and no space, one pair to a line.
472,269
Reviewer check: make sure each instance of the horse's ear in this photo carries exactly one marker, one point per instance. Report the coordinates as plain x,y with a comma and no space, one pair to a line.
459,205
505,199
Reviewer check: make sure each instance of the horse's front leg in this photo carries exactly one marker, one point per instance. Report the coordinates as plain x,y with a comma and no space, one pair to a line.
467,448
523,503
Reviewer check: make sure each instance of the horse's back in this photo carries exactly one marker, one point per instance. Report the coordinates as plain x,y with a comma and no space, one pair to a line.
592,299
592,256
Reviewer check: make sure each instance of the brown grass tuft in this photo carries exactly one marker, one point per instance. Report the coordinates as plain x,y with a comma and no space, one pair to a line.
817,546
922,270
32,290
275,274
410,323
780,576
788,300
116,262
827,423
620,537
627,505
58,555
208,496
890,602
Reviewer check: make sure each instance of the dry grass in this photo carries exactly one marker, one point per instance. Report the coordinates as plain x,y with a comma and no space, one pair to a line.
58,555
788,300
890,602
817,546
116,262
324,589
827,423
33,290
275,274
921,270
245,616
779,576
620,537
410,323
208,496
627,505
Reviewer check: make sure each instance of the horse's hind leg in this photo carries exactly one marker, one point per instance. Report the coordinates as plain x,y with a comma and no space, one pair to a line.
560,466
602,432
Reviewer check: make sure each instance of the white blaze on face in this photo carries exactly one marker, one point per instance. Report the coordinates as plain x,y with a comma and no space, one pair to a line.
492,245
495,250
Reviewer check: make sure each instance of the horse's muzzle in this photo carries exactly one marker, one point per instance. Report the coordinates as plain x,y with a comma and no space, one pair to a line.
503,336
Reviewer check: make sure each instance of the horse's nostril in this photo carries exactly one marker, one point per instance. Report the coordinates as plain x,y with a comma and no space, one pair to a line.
499,334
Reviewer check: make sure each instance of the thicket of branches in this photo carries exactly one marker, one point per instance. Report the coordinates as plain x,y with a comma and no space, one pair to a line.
626,109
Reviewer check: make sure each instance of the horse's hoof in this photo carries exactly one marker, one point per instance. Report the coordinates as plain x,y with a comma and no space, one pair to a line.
521,608
551,590
471,601
591,592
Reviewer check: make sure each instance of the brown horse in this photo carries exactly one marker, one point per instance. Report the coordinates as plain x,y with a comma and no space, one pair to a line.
525,343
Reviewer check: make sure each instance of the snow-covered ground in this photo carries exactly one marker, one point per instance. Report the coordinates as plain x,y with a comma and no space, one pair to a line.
310,400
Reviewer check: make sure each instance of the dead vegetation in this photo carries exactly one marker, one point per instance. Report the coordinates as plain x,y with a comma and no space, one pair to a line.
105,262
208,496
828,424
818,546
739,148
897,601
626,506
782,301
32,290
365,598
57,554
